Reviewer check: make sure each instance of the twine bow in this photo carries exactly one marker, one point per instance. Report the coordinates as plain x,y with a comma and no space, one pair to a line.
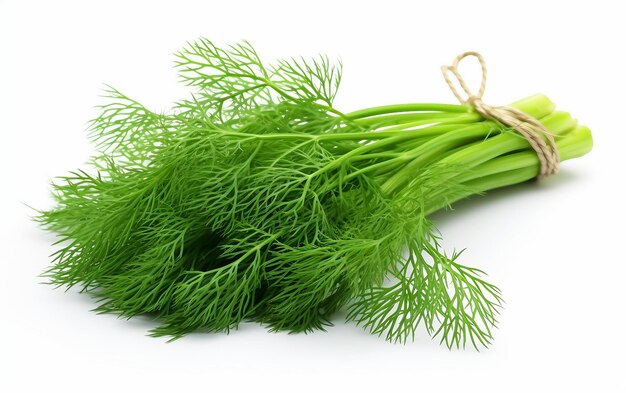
540,139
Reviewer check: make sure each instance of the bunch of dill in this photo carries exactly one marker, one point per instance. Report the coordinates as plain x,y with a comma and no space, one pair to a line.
255,199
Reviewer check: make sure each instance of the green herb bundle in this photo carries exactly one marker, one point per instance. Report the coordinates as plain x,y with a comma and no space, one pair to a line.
256,199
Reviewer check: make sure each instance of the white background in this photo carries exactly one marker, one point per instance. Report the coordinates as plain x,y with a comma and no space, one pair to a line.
555,248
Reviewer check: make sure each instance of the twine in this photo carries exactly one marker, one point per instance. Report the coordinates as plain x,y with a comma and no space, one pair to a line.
540,139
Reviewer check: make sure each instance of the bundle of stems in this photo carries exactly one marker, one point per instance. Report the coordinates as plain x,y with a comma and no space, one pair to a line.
256,199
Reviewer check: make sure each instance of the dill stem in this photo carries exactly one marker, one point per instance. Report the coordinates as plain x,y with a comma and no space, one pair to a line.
515,168
402,132
560,124
537,106
399,108
405,119
576,144
426,152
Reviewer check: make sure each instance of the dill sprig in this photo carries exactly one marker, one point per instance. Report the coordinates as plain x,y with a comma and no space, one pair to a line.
255,199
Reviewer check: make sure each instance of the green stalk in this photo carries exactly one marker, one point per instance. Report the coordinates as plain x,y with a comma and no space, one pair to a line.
516,168
406,118
400,108
537,106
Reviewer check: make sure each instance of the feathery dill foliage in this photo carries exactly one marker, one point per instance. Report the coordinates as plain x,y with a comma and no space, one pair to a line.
255,199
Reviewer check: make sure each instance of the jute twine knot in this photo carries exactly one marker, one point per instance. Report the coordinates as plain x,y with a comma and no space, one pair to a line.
540,139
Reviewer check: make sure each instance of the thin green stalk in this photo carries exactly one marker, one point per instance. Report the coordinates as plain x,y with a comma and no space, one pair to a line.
399,108
538,106
432,149
560,125
404,118
515,168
